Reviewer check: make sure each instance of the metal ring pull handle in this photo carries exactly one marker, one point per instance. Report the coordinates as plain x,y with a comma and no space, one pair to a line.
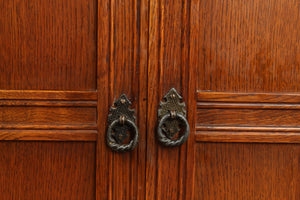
113,142
172,118
121,121
164,139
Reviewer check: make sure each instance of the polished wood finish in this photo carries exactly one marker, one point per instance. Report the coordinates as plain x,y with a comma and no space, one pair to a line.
236,64
47,95
247,46
31,113
102,152
247,58
48,99
48,103
48,45
167,68
48,135
248,117
247,171
248,97
47,170
247,136
50,116
122,68
254,106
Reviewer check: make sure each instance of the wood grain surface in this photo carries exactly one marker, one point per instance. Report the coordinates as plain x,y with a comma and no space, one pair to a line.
48,135
248,117
47,170
250,136
122,69
48,45
168,63
248,97
248,46
247,58
64,63
247,171
24,116
47,95
45,103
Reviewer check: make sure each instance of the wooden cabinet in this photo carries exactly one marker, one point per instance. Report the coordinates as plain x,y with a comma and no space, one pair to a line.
235,63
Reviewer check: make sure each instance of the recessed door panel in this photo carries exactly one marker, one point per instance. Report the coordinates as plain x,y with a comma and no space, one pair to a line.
47,170
48,45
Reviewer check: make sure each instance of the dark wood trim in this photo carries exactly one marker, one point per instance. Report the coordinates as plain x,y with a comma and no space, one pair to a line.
242,136
48,135
47,95
204,96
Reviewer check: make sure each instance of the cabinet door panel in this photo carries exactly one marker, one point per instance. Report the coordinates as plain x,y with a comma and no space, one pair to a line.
48,45
47,170
48,99
247,59
248,46
246,171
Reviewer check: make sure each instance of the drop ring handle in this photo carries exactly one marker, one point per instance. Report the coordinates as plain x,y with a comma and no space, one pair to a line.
164,139
121,120
115,146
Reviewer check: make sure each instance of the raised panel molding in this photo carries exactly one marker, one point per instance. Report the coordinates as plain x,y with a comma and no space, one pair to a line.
48,135
248,117
45,115
47,95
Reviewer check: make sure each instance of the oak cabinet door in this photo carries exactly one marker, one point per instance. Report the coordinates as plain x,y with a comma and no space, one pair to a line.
63,64
48,98
236,64
246,142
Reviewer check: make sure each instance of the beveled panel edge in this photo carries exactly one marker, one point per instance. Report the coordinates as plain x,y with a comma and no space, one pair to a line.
253,106
48,135
48,103
85,131
245,137
47,95
244,133
247,128
19,115
252,101
49,126
247,97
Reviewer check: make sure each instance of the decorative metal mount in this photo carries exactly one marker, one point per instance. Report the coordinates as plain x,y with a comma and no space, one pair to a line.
171,115
121,120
